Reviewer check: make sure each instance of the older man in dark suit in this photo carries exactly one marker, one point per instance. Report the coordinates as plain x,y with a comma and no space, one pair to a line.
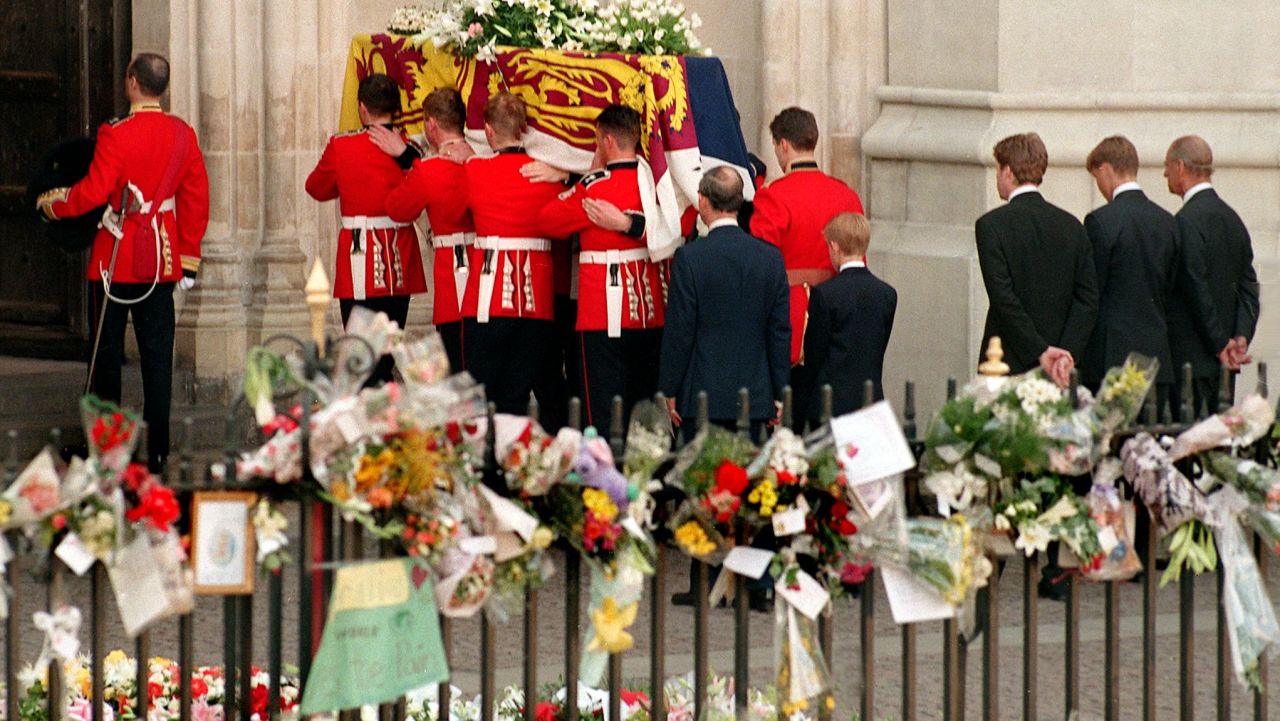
727,315
1214,309
1036,266
1135,251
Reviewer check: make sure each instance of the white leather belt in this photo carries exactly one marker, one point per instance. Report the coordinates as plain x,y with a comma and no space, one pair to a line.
609,257
166,206
370,222
494,242
488,269
452,240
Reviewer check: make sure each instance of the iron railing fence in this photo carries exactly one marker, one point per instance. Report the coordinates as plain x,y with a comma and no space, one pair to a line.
342,541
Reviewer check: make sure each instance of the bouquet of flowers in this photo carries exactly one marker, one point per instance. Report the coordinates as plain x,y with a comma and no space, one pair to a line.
1259,484
475,28
1123,391
1118,560
712,473
803,680
112,434
947,555
649,27
1250,615
1045,510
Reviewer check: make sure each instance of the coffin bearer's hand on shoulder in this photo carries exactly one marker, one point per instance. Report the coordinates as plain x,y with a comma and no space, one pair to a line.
606,215
539,172
387,140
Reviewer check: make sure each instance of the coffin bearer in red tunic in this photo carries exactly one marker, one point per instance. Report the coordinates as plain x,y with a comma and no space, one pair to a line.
438,185
144,246
507,310
620,294
379,265
791,212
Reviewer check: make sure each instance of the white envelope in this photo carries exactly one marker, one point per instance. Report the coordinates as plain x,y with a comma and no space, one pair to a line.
870,444
810,598
788,523
72,551
508,516
139,585
748,561
912,600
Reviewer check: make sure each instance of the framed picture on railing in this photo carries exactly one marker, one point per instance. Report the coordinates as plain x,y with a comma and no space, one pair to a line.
222,554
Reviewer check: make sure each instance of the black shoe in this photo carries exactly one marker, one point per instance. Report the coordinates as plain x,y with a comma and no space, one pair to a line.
684,598
1047,589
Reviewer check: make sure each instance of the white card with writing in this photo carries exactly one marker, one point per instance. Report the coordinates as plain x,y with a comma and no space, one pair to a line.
73,553
478,545
138,585
788,523
912,600
748,561
808,596
870,444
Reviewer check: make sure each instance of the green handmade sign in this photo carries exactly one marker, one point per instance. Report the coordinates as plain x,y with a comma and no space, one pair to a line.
382,638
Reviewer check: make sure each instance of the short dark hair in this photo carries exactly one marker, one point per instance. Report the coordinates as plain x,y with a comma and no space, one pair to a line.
722,187
1025,155
1115,151
620,123
379,94
445,106
796,126
507,115
151,71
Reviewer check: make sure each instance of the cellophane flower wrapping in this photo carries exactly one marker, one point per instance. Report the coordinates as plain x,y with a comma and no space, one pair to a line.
353,360
712,473
804,684
1119,558
1243,424
421,362
1258,483
947,554
1250,615
112,435
1171,498
1123,391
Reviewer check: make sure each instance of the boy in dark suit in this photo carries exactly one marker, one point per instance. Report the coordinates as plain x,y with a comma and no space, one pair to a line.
850,319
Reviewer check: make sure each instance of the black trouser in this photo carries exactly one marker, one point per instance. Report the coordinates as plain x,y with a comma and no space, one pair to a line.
557,375
153,328
801,393
626,366
1205,391
451,337
397,309
755,431
503,354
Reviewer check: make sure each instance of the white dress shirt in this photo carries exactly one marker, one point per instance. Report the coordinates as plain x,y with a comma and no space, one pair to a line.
1123,187
853,264
1025,188
721,223
1196,189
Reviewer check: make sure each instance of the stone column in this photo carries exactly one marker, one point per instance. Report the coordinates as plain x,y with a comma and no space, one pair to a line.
287,89
962,75
205,38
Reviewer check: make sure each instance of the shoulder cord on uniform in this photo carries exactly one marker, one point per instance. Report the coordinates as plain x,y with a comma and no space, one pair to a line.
117,231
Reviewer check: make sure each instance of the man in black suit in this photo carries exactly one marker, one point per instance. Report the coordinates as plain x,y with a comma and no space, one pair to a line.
1214,309
1135,251
727,324
850,319
1036,266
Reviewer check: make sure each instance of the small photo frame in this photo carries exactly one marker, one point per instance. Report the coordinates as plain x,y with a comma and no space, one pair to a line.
222,542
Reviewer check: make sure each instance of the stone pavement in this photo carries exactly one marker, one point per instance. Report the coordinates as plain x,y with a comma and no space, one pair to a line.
678,645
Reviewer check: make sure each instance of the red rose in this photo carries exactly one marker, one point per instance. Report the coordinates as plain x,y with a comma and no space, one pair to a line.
846,527
839,509
786,478
158,506
198,687
546,711
258,701
632,698
136,476
731,477
154,691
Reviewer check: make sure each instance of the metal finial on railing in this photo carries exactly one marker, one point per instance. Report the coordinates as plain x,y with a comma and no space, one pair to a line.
533,410
11,460
744,412
1225,395
909,411
184,452
788,406
318,294
1262,388
1188,394
994,365
574,419
617,442
828,402
1073,388
55,438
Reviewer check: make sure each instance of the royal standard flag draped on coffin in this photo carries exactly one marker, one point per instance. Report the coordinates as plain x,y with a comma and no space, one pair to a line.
564,92
381,640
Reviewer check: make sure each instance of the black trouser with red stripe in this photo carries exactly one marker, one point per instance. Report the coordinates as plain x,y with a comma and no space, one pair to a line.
153,328
625,366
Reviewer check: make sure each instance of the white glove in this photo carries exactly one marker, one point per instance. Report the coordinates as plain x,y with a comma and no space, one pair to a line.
186,282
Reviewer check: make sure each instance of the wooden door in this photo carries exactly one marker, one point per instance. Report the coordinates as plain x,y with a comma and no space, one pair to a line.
61,68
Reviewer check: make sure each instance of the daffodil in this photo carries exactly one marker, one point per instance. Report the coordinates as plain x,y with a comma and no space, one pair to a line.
610,625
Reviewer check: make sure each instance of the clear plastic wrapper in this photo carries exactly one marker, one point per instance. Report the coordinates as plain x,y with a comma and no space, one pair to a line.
1171,497
1250,615
1123,391
368,336
111,433
422,361
1119,560
1243,424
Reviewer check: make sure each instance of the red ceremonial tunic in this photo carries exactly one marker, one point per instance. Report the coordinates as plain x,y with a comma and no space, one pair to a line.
505,206
791,212
439,186
138,149
377,256
610,264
